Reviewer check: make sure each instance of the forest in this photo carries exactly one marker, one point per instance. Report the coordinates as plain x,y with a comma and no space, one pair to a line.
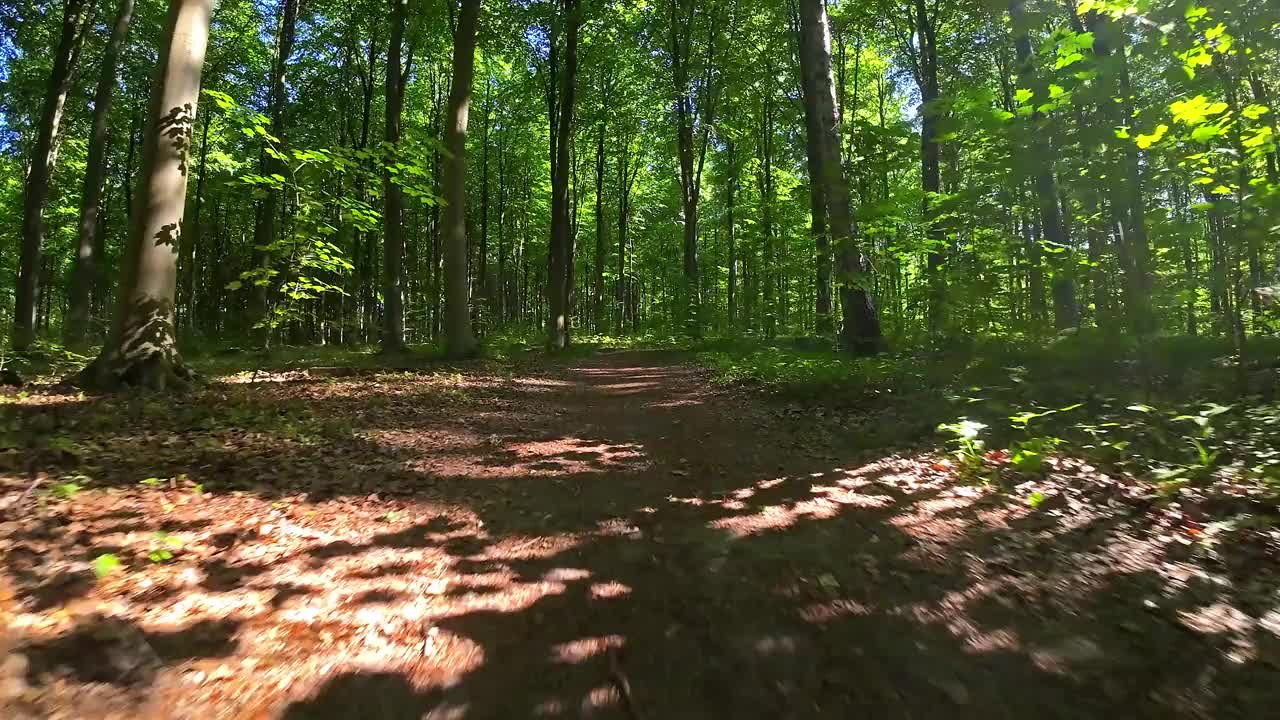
639,358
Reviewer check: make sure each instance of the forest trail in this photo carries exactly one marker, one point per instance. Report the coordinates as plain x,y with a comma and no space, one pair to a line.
530,543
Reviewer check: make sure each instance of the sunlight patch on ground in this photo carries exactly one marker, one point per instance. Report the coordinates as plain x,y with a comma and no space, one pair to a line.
583,649
819,613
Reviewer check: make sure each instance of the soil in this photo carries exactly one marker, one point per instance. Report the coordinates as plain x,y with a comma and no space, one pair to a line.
609,537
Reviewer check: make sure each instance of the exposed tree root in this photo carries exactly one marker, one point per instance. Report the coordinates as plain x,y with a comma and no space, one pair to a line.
155,371
620,681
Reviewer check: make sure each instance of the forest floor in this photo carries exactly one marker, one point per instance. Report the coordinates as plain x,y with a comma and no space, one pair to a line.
609,537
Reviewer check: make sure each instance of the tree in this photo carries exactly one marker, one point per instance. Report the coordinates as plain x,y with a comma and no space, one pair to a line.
860,332
393,197
76,17
142,348
459,339
919,43
694,114
1039,155
264,229
560,252
85,258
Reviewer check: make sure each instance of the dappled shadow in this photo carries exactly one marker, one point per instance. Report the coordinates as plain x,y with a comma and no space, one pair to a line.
375,696
496,549
115,651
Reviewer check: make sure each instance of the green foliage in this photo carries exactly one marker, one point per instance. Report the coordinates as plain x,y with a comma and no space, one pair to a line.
106,564
66,490
163,547
969,446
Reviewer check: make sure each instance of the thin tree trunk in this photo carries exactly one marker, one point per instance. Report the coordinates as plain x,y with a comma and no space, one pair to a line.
1052,229
559,248
731,188
500,297
264,230
75,21
192,239
691,108
392,194
1126,185
142,348
597,294
459,340
861,330
931,165
85,261
626,179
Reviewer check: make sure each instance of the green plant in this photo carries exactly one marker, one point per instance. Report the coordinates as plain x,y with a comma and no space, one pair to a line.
967,443
66,491
104,565
1028,456
1206,455
163,547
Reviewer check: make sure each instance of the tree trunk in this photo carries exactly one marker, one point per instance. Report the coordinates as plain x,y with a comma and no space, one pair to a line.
75,22
500,297
818,220
597,294
1126,174
690,107
1052,229
931,166
482,272
860,332
264,229
764,178
559,250
459,340
85,260
392,195
626,179
731,188
142,348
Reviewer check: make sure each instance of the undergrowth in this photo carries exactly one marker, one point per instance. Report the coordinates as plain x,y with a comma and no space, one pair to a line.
1170,411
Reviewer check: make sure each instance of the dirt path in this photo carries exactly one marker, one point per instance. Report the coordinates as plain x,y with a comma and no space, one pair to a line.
527,545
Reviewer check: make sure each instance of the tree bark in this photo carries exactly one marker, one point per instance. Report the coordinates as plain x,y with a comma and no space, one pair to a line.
597,294
1129,206
392,195
459,340
85,259
264,229
75,22
923,56
691,108
482,271
1040,153
860,332
559,250
626,180
142,348
731,189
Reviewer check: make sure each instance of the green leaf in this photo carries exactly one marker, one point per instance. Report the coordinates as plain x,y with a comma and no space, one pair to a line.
104,565
1205,133
1255,111
1068,60
1146,141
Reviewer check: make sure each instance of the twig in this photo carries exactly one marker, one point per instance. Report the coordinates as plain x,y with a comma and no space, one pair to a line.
619,679
36,480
